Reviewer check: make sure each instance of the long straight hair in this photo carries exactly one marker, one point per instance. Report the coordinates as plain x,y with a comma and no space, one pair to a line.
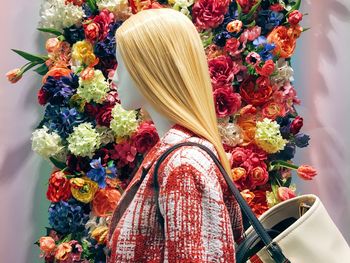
164,55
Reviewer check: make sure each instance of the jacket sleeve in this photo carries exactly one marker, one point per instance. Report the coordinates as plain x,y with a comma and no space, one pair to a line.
196,221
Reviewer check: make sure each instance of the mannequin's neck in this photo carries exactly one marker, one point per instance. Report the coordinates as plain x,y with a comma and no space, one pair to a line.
162,123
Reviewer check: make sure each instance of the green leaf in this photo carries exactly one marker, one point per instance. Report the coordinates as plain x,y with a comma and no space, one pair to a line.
252,11
30,57
57,163
42,70
50,30
239,9
92,5
294,7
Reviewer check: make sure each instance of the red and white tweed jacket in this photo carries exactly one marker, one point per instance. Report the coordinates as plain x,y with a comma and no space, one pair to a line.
195,201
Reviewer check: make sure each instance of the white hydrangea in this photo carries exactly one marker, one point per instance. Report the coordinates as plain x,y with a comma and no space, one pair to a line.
283,74
182,6
120,8
58,15
47,144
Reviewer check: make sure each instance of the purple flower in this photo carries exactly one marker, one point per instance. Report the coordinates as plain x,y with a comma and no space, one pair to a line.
99,173
302,140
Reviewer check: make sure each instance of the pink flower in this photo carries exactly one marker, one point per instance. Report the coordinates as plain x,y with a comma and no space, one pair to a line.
251,33
209,13
226,101
232,46
306,172
222,71
253,58
295,17
285,193
124,153
258,176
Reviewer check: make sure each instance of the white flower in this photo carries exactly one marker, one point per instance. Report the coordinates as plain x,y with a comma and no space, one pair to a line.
230,133
58,15
283,74
120,8
45,143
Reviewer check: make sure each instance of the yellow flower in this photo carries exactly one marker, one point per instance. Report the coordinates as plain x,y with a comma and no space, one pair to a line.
83,189
82,53
100,234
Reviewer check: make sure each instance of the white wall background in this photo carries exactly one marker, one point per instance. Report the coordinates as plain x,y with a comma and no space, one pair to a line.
322,80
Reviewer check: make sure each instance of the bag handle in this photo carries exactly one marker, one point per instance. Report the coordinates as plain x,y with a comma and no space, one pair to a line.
272,247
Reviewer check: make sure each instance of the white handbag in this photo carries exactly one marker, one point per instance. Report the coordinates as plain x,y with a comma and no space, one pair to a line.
311,235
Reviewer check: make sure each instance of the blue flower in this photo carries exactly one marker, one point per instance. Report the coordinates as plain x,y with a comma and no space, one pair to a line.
60,90
62,119
302,140
268,19
74,34
286,154
68,217
264,48
98,173
220,39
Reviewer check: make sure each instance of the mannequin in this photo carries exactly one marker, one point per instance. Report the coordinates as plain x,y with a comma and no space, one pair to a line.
162,68
132,99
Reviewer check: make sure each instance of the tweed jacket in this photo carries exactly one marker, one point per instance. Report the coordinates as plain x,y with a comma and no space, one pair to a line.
198,208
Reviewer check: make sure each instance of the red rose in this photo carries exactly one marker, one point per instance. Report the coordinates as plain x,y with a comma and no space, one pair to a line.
232,46
296,125
226,101
258,176
256,92
78,163
238,156
59,187
209,13
145,138
42,97
104,115
295,17
267,69
222,71
259,202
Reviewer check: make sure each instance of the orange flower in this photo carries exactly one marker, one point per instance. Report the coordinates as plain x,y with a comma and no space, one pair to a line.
247,123
56,72
237,173
105,201
248,195
63,251
52,44
285,41
100,234
47,244
306,172
285,193
87,74
234,26
272,110
14,75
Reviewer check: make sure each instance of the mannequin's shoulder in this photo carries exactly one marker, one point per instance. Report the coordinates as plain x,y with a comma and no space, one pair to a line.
192,155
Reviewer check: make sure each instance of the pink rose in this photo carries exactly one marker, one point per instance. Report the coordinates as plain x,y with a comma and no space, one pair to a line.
222,71
209,13
47,244
232,46
295,17
246,5
258,176
226,101
145,138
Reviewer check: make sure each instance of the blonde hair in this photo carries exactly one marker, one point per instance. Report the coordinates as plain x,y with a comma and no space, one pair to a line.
164,55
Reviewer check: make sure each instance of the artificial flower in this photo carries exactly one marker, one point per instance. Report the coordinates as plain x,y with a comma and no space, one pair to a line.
83,189
226,101
306,172
84,140
145,137
268,136
105,201
93,89
59,187
124,122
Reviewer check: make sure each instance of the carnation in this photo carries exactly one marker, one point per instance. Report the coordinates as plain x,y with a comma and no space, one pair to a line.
268,136
84,140
283,74
58,15
94,89
45,143
124,122
230,134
